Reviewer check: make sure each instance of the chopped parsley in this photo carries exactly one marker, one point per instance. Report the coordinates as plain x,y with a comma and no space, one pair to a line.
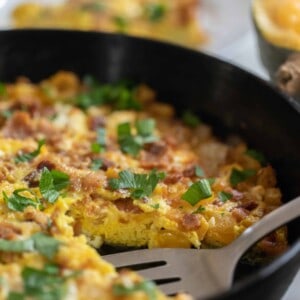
120,95
100,143
197,191
26,157
155,206
257,156
199,171
190,119
96,164
148,287
155,11
39,242
18,202
43,284
238,176
51,183
139,185
132,144
224,196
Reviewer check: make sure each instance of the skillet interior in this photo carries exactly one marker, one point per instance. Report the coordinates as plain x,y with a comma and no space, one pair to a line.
230,99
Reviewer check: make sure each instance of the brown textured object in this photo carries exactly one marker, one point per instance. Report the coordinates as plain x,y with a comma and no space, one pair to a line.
288,75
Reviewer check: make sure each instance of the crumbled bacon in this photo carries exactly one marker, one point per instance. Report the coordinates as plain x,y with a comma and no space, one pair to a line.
173,178
32,179
250,205
8,231
19,126
45,164
239,213
190,222
156,149
95,122
127,205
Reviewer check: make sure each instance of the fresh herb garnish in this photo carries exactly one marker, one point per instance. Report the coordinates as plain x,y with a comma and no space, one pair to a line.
190,119
257,156
51,183
155,11
121,23
43,284
120,95
100,143
199,210
25,157
18,202
197,191
39,242
238,176
132,144
155,206
224,196
148,287
96,164
139,185
2,89
199,171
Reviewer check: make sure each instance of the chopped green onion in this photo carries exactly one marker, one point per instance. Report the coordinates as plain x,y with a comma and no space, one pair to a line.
197,191
100,143
199,171
199,210
238,176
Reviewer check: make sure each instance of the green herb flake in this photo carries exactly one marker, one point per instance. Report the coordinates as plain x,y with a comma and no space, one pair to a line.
197,191
45,284
199,210
145,127
17,246
121,23
2,89
46,245
148,287
39,242
257,156
238,176
224,196
96,164
100,144
140,185
18,202
15,296
199,171
26,157
120,96
155,11
190,119
155,206
51,183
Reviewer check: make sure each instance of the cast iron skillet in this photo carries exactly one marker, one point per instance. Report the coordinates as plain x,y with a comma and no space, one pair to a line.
230,99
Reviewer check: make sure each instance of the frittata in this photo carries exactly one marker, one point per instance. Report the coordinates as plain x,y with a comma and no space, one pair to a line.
170,20
85,164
